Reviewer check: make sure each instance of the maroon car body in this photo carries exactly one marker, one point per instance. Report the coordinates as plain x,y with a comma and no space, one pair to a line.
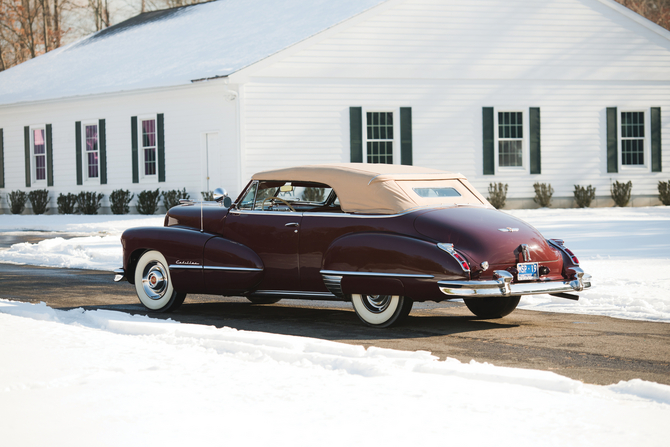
308,233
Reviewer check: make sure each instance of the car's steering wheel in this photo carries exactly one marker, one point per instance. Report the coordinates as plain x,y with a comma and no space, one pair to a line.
277,198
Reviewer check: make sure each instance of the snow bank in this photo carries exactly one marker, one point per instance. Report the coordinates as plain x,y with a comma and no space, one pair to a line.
108,378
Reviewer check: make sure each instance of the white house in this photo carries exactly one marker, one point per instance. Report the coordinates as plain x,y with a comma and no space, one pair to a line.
563,92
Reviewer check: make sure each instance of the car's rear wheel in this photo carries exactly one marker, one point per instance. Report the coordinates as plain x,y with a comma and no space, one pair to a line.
492,307
256,300
381,310
154,285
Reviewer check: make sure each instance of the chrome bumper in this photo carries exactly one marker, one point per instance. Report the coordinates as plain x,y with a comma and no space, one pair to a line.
119,275
502,286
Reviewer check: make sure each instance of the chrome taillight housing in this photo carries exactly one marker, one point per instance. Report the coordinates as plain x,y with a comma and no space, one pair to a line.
559,243
449,248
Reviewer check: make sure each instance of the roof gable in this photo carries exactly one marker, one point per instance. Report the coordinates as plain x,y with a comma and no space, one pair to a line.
174,47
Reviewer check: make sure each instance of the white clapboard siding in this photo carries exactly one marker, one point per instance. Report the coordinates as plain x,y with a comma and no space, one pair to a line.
448,59
189,113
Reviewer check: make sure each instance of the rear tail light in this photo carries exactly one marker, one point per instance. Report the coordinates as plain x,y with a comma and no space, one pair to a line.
558,243
449,248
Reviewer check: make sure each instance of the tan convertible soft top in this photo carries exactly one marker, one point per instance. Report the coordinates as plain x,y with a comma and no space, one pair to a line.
378,188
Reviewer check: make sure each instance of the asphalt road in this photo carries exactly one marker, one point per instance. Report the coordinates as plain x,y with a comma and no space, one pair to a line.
592,349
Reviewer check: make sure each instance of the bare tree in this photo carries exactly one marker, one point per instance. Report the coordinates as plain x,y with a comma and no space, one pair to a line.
658,11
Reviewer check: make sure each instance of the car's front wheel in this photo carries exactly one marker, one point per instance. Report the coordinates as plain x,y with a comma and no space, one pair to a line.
492,307
381,310
154,285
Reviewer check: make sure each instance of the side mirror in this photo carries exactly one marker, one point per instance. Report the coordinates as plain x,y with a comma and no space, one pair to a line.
219,194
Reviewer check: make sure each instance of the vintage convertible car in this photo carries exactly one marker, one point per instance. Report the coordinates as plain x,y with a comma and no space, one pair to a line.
380,236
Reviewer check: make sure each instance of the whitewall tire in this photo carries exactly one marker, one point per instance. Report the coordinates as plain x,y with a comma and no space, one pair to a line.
154,285
381,310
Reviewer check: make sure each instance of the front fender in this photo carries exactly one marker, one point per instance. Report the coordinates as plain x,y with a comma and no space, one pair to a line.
180,246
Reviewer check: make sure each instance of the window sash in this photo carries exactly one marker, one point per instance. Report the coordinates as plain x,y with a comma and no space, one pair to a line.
92,151
380,136
39,154
149,147
632,138
510,139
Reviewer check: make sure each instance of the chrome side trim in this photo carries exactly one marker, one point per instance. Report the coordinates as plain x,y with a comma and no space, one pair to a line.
207,267
293,292
392,275
234,269
502,286
120,275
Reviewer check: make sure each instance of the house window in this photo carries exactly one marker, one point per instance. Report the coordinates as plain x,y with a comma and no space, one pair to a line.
510,139
379,137
632,138
92,153
148,149
39,154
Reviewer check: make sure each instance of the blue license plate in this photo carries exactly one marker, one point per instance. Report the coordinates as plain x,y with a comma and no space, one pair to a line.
528,271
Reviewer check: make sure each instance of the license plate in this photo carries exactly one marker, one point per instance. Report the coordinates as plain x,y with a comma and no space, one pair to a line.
528,271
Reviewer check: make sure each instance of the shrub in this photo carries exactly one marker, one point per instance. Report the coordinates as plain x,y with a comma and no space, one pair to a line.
17,201
171,198
664,192
88,202
584,196
543,193
497,195
39,199
207,196
621,192
66,203
147,201
119,200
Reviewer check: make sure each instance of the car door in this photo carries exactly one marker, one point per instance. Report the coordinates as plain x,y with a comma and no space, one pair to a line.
274,235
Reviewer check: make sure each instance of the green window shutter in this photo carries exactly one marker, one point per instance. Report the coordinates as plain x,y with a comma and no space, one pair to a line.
488,141
535,148
134,142
26,141
2,159
656,165
612,143
160,130
50,157
77,151
102,145
406,135
356,134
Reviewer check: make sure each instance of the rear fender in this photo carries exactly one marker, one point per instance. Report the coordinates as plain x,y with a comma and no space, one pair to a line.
388,264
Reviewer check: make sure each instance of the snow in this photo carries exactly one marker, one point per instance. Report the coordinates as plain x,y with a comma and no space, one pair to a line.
81,378
195,42
626,250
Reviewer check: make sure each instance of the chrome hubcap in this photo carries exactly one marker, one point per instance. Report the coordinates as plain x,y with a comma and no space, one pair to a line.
155,280
376,303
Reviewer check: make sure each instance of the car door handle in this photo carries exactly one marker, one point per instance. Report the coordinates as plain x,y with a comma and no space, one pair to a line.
292,224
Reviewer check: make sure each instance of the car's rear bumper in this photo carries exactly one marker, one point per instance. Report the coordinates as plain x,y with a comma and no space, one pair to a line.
502,286
119,275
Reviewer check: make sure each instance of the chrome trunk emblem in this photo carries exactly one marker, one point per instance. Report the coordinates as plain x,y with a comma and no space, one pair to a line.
508,230
526,252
